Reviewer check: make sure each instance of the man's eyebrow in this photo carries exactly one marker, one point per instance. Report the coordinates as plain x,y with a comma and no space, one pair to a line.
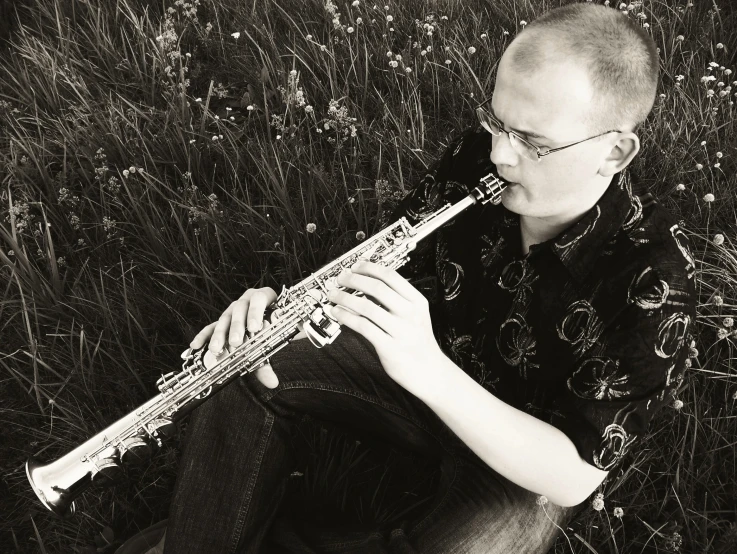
521,132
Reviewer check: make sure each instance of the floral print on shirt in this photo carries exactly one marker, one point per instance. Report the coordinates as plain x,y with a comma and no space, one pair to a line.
589,331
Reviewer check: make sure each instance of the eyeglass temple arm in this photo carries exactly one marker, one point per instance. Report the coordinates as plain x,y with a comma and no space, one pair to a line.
546,152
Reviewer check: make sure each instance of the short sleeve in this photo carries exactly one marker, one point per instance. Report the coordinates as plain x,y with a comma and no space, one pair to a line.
617,386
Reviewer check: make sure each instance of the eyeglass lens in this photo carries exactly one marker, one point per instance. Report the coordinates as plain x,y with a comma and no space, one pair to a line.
523,148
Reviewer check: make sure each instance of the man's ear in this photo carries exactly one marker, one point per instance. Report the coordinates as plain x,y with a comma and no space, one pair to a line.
622,153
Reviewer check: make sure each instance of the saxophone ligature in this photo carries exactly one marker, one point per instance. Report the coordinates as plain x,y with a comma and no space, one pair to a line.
131,439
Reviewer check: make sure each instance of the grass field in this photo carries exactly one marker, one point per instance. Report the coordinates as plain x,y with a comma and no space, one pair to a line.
158,159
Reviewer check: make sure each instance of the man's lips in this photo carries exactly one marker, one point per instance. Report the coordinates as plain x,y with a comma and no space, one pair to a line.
508,180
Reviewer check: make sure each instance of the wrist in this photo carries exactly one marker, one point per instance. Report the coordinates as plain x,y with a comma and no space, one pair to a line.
438,377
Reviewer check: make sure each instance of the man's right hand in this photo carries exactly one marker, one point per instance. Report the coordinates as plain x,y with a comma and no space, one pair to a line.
229,330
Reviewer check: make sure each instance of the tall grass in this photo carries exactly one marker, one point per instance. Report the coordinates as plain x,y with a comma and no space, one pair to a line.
157,159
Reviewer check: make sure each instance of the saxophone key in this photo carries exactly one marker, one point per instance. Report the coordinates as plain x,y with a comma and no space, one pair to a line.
135,450
162,426
106,471
164,382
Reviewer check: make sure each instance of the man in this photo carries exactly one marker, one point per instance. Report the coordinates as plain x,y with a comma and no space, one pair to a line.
544,334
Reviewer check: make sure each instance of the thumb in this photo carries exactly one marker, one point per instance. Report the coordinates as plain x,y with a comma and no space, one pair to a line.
266,375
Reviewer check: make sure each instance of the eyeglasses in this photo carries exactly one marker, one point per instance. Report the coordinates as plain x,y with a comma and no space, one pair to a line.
520,145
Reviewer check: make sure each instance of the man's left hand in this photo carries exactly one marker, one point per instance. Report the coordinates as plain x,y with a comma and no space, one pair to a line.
397,322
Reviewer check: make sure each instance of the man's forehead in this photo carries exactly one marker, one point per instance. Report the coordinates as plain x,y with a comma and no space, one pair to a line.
552,95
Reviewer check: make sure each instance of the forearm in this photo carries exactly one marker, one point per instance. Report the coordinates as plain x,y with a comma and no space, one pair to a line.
522,448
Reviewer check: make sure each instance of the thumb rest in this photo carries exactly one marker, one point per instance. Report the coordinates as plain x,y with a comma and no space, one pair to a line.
131,439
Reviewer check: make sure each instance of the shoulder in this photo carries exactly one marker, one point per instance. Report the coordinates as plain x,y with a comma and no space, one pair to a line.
464,161
650,270
470,144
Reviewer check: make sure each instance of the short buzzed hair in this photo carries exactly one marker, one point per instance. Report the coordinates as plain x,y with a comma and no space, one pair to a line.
621,59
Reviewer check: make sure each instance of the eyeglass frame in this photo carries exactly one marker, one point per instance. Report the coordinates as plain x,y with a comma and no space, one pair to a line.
480,110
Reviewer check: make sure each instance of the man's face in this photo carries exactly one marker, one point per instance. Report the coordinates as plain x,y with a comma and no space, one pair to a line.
552,103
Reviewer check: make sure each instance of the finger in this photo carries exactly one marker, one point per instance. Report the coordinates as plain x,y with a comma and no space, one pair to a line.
378,292
201,337
256,310
237,320
368,309
391,278
360,325
266,375
217,341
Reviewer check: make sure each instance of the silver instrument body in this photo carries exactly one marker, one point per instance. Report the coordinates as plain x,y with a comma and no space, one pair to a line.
130,439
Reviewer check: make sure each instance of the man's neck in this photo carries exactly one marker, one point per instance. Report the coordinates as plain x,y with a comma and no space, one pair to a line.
535,230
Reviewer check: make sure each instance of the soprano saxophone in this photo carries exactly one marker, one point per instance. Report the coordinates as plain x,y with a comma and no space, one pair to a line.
131,438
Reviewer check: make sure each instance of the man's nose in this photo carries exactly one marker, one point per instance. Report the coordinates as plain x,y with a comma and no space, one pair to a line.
502,152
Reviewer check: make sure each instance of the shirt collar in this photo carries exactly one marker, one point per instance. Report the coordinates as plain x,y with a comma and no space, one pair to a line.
580,245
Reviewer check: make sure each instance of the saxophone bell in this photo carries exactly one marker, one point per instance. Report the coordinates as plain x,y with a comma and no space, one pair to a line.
58,500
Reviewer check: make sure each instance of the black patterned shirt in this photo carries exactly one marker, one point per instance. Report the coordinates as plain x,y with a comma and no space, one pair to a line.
589,332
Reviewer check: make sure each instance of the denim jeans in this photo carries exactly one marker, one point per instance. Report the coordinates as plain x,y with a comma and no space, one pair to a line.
237,459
